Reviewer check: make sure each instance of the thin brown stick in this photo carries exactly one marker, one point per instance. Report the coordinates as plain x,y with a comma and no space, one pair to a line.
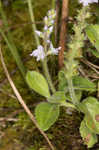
8,119
88,62
82,72
21,101
93,76
63,30
90,65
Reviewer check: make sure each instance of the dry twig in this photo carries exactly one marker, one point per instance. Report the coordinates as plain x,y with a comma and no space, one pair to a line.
8,119
88,62
92,66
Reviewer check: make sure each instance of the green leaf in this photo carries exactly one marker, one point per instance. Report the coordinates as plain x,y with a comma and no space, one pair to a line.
78,95
90,107
81,83
92,32
89,138
57,97
38,83
63,86
46,115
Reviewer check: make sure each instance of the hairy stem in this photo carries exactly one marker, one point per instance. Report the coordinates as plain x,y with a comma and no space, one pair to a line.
72,92
74,53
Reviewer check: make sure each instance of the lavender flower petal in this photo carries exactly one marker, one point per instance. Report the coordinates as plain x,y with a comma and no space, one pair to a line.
86,2
39,53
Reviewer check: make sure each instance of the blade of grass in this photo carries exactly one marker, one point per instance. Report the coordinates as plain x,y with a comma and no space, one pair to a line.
15,54
53,4
9,41
33,20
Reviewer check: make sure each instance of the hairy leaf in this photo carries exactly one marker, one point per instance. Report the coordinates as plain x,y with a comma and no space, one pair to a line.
46,115
90,107
89,138
38,83
83,84
79,83
92,32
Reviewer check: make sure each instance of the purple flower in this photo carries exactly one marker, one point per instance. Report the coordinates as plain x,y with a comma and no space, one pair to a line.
39,33
86,2
54,51
45,28
39,53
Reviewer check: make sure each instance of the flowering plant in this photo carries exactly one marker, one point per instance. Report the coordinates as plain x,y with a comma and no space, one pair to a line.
71,84
48,49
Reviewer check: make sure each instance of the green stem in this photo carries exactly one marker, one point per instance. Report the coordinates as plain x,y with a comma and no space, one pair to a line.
10,43
46,72
33,20
53,4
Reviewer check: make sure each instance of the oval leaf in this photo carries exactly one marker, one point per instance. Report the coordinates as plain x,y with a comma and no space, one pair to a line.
89,138
46,115
38,83
81,83
91,110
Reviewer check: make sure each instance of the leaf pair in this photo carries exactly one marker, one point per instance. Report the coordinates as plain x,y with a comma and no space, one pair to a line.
46,113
